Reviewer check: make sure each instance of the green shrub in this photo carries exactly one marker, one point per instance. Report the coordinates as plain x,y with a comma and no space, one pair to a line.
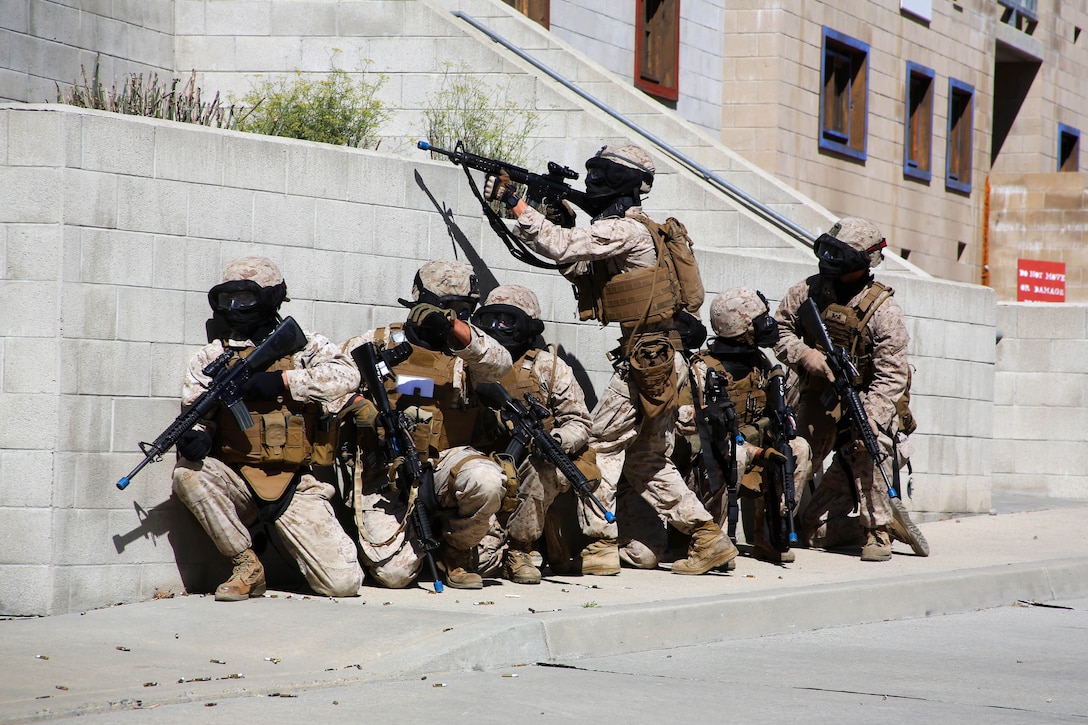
153,98
464,110
333,109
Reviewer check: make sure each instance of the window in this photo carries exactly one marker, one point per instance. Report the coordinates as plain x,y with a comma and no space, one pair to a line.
657,48
538,10
918,138
844,96
961,111
1068,148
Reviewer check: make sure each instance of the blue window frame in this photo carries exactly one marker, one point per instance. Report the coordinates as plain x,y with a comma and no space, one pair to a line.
918,123
961,126
844,95
1068,148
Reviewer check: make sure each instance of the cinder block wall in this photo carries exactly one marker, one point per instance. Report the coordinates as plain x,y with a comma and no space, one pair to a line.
1041,400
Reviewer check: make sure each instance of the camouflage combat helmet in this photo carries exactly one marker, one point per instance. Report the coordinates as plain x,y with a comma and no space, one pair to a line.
261,270
732,312
516,296
862,235
447,284
633,157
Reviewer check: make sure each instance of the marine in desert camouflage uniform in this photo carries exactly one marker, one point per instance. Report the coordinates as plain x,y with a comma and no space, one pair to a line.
863,317
470,486
618,248
222,475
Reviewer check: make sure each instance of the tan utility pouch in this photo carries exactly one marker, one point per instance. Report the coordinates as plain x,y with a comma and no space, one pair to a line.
284,439
510,496
268,483
586,462
653,374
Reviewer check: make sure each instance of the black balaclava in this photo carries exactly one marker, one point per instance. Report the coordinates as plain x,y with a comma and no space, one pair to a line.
249,310
511,326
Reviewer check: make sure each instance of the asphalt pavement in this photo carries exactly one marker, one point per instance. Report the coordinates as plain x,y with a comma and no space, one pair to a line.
193,649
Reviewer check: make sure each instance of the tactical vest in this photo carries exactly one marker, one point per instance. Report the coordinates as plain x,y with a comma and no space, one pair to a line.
747,393
847,327
285,436
448,417
642,297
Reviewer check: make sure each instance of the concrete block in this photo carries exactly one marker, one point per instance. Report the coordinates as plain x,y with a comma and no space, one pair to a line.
140,419
16,14
18,318
263,54
1051,322
82,537
185,152
80,475
252,161
26,479
1048,389
206,51
185,263
169,364
88,311
35,138
145,314
118,144
189,17
151,205
26,536
115,257
372,19
303,18
283,220
319,170
220,213
30,365
1068,358
33,252
90,198
25,591
325,275
84,423
238,17
1014,355
31,195
344,226
96,379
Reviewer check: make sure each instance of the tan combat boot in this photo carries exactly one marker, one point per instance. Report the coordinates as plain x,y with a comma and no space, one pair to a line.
601,558
710,548
458,564
878,545
762,548
517,564
247,579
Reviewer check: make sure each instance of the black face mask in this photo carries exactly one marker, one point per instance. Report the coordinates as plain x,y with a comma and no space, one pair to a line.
838,258
606,179
249,309
510,325
765,329
691,328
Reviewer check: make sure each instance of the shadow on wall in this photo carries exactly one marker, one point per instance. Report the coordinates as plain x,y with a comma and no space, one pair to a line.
486,277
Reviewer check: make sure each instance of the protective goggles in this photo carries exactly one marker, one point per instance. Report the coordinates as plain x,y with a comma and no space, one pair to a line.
829,248
235,296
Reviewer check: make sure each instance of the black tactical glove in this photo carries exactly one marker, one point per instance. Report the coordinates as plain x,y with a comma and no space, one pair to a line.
502,188
194,444
436,322
561,214
264,386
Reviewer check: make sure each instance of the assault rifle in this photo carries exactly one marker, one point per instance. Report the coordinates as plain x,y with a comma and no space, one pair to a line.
716,421
549,190
783,429
843,390
226,389
413,475
527,420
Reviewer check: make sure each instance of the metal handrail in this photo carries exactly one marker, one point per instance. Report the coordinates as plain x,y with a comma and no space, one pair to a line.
753,205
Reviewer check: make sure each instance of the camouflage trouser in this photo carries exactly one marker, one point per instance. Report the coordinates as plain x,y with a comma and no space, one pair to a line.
467,502
826,520
224,504
638,453
539,483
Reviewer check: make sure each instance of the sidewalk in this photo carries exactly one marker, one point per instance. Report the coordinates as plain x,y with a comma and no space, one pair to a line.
191,648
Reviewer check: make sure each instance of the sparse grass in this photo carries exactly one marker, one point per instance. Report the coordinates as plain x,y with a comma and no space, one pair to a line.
154,97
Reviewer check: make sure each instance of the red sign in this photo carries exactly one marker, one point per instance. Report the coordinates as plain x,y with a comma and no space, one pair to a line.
1039,281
